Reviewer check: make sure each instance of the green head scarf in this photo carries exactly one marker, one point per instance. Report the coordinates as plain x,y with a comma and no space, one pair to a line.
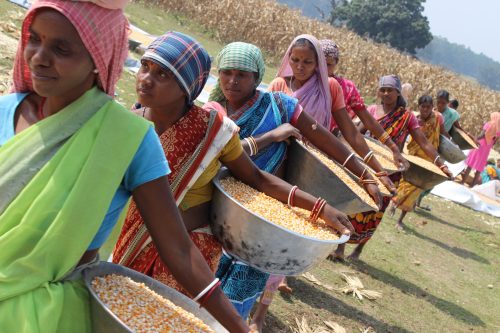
241,56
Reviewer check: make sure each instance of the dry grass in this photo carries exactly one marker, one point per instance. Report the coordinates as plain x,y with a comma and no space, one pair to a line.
272,27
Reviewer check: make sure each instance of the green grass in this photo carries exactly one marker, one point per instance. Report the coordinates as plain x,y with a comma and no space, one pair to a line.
434,278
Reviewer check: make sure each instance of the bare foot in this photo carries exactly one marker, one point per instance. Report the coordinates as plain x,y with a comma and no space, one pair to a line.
284,288
354,256
391,209
338,255
256,327
400,226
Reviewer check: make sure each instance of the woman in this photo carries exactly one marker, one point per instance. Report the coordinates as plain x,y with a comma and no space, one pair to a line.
267,120
354,104
478,157
71,158
173,71
398,123
303,74
431,125
451,116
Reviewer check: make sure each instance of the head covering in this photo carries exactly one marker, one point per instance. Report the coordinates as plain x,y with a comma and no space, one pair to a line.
330,48
185,58
406,91
109,4
390,81
493,129
103,32
241,56
314,95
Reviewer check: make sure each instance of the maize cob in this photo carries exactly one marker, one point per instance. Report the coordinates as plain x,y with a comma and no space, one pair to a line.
143,310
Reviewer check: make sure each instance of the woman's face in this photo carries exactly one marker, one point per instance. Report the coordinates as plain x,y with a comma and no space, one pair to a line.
331,64
60,64
425,110
157,87
303,63
441,104
388,95
237,86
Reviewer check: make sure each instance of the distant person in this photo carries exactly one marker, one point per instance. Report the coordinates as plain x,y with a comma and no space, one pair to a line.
451,116
431,125
490,172
407,92
454,104
478,157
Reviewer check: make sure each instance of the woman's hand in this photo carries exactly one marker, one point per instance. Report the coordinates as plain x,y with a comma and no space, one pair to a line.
447,172
400,161
284,132
337,220
374,192
389,185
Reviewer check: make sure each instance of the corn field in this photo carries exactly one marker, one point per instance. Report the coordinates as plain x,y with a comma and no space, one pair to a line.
272,27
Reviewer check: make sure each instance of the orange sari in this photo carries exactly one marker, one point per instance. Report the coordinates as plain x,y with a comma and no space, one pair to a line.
190,145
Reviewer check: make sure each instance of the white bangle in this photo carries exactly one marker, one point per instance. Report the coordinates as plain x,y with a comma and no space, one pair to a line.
247,140
204,291
368,156
347,159
290,195
437,158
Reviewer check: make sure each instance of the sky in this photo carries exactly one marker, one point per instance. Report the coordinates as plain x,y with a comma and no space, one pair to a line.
475,23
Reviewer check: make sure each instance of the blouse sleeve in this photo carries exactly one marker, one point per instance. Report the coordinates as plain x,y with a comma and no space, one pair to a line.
337,95
413,122
232,150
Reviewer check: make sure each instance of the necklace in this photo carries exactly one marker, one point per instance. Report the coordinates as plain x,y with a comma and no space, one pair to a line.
40,109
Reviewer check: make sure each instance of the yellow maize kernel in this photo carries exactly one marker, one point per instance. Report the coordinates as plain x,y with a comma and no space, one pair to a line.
272,210
143,310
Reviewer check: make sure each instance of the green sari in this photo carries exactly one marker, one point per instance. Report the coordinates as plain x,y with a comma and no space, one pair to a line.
57,182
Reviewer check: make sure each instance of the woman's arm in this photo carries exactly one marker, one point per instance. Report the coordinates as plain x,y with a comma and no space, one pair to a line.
246,171
334,148
429,150
279,134
370,123
358,143
161,216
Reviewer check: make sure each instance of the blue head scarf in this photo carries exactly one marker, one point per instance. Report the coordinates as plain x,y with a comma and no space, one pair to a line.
185,58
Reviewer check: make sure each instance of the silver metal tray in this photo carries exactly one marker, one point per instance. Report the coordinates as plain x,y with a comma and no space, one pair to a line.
261,243
105,321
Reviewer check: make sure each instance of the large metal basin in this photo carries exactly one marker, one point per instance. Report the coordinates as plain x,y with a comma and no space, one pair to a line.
450,151
104,321
261,243
384,156
462,139
307,172
421,176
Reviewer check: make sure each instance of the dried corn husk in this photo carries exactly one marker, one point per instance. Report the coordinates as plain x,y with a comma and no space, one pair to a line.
332,327
355,286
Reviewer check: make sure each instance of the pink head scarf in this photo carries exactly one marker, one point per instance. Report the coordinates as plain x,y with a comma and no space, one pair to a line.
314,95
103,32
493,130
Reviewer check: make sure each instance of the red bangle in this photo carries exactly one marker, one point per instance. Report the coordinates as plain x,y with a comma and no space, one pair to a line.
209,293
318,206
292,196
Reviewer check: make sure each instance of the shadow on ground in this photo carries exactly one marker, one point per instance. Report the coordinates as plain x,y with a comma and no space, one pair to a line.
428,215
406,287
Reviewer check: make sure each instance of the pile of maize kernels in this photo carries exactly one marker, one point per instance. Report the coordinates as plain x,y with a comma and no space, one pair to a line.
381,153
294,219
143,310
344,176
424,164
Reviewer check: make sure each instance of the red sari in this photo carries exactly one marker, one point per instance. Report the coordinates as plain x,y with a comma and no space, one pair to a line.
189,145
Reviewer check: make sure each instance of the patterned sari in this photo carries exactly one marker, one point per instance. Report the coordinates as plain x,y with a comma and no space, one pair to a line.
408,193
190,146
241,283
395,124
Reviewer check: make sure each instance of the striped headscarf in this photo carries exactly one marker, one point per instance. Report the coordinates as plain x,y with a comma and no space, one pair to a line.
241,56
330,48
185,58
103,32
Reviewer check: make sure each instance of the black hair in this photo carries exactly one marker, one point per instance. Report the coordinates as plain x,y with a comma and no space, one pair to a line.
454,103
443,94
400,102
425,99
305,42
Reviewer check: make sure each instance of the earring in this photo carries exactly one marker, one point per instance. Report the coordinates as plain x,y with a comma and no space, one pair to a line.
95,71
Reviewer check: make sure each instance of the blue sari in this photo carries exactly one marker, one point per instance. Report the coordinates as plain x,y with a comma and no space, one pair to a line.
241,283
